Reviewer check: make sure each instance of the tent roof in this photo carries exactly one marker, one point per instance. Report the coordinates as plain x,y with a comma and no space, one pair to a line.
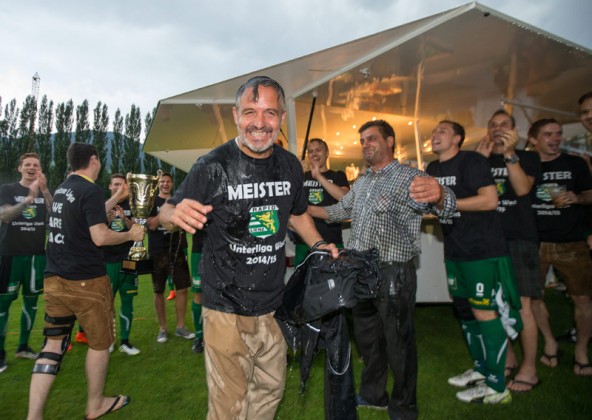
461,64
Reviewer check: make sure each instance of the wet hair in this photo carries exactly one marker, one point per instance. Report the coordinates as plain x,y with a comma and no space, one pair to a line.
536,126
386,130
321,142
118,175
254,83
458,129
79,155
504,112
28,155
585,97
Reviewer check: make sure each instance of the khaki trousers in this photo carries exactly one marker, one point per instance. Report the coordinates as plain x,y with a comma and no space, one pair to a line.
245,360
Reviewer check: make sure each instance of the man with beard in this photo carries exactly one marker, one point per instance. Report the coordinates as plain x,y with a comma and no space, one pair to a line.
386,206
565,189
242,194
515,173
23,210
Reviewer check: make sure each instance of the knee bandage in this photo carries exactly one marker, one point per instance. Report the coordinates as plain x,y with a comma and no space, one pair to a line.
60,326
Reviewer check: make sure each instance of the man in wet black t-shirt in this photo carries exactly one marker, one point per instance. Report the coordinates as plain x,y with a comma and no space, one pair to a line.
246,190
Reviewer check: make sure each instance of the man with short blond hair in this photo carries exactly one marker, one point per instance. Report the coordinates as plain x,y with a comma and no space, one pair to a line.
23,213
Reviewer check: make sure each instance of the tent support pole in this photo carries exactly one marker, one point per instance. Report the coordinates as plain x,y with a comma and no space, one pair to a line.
312,108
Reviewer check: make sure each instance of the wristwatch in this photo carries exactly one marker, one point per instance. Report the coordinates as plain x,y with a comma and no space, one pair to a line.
512,159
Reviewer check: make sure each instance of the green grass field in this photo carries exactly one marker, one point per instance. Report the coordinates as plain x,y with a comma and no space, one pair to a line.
167,380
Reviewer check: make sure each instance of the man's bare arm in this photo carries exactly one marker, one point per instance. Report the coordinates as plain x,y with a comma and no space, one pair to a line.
189,215
305,228
101,235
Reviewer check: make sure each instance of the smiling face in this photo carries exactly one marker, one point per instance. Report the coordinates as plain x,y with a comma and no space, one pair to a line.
586,114
29,169
116,184
548,140
317,154
377,150
165,185
445,142
498,124
258,122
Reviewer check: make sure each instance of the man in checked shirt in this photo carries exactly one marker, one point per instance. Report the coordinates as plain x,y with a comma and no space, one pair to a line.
386,207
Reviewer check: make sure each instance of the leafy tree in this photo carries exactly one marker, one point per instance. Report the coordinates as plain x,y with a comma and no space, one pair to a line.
133,131
117,144
9,135
62,139
83,133
28,117
99,136
151,164
43,143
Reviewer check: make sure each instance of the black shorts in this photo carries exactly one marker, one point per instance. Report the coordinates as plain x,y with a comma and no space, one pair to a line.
527,267
162,269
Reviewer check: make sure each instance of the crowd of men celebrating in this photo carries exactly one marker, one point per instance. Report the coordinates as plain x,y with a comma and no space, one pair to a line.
507,216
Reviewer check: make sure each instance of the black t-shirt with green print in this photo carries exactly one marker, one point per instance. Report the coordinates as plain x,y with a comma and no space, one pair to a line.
243,257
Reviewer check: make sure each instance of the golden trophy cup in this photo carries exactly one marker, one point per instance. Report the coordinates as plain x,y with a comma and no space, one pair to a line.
142,192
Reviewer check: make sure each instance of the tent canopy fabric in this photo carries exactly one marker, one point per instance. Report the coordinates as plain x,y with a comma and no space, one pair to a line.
462,65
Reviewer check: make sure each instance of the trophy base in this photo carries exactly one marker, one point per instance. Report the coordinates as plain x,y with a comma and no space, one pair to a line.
137,267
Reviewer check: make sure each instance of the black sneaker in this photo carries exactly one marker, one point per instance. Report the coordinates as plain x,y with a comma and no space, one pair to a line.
3,365
198,345
361,402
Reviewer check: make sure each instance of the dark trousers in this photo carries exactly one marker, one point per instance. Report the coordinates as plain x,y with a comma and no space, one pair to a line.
384,329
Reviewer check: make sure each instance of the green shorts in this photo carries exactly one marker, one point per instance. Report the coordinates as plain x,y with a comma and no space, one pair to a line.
195,275
479,280
122,282
18,271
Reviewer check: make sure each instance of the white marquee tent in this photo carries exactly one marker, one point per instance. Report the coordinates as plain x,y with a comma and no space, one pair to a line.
461,64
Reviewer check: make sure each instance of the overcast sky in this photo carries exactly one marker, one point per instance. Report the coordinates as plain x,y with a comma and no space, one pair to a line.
133,51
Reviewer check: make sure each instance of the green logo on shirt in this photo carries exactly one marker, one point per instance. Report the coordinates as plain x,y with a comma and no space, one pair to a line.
264,221
30,212
118,225
501,187
315,196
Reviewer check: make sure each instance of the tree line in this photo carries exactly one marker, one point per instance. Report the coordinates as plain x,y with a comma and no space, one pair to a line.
48,130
